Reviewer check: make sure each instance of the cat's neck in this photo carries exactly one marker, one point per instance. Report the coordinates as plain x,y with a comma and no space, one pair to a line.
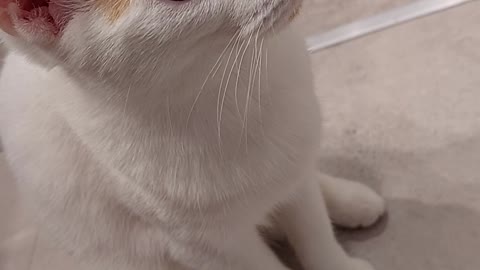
181,83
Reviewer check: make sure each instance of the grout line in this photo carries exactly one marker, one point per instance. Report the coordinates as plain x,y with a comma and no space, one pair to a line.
393,17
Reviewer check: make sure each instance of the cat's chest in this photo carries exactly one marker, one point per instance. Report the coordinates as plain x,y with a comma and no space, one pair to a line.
224,155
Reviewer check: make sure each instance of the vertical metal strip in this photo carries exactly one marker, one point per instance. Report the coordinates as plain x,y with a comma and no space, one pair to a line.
379,22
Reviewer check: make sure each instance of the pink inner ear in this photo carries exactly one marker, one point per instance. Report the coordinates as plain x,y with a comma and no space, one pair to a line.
4,3
36,20
6,23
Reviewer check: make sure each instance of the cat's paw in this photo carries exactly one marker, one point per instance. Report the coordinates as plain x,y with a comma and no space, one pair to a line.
359,264
356,206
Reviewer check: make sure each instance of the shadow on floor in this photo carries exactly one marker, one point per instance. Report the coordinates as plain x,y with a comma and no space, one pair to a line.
421,237
415,236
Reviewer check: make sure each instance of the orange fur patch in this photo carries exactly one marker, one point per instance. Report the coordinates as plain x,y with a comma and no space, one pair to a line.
113,8
294,14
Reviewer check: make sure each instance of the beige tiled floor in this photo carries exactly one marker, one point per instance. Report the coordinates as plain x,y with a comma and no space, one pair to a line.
402,114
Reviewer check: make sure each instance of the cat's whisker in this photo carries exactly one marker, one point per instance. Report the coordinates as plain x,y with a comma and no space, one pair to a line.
240,49
267,79
250,86
256,70
218,64
236,84
260,88
245,108
209,75
219,96
228,82
238,75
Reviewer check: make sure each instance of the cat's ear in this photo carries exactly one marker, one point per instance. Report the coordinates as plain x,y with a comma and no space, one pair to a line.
6,23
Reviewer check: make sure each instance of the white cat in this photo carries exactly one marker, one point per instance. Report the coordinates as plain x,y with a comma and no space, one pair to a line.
157,134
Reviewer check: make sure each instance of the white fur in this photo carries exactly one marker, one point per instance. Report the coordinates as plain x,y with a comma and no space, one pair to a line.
131,164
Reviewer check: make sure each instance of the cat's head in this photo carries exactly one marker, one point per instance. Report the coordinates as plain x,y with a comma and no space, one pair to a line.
105,35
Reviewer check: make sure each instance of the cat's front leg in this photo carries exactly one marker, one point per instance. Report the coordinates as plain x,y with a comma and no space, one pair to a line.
305,221
350,204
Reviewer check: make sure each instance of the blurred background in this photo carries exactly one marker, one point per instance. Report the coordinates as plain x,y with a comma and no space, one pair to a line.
402,114
323,15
